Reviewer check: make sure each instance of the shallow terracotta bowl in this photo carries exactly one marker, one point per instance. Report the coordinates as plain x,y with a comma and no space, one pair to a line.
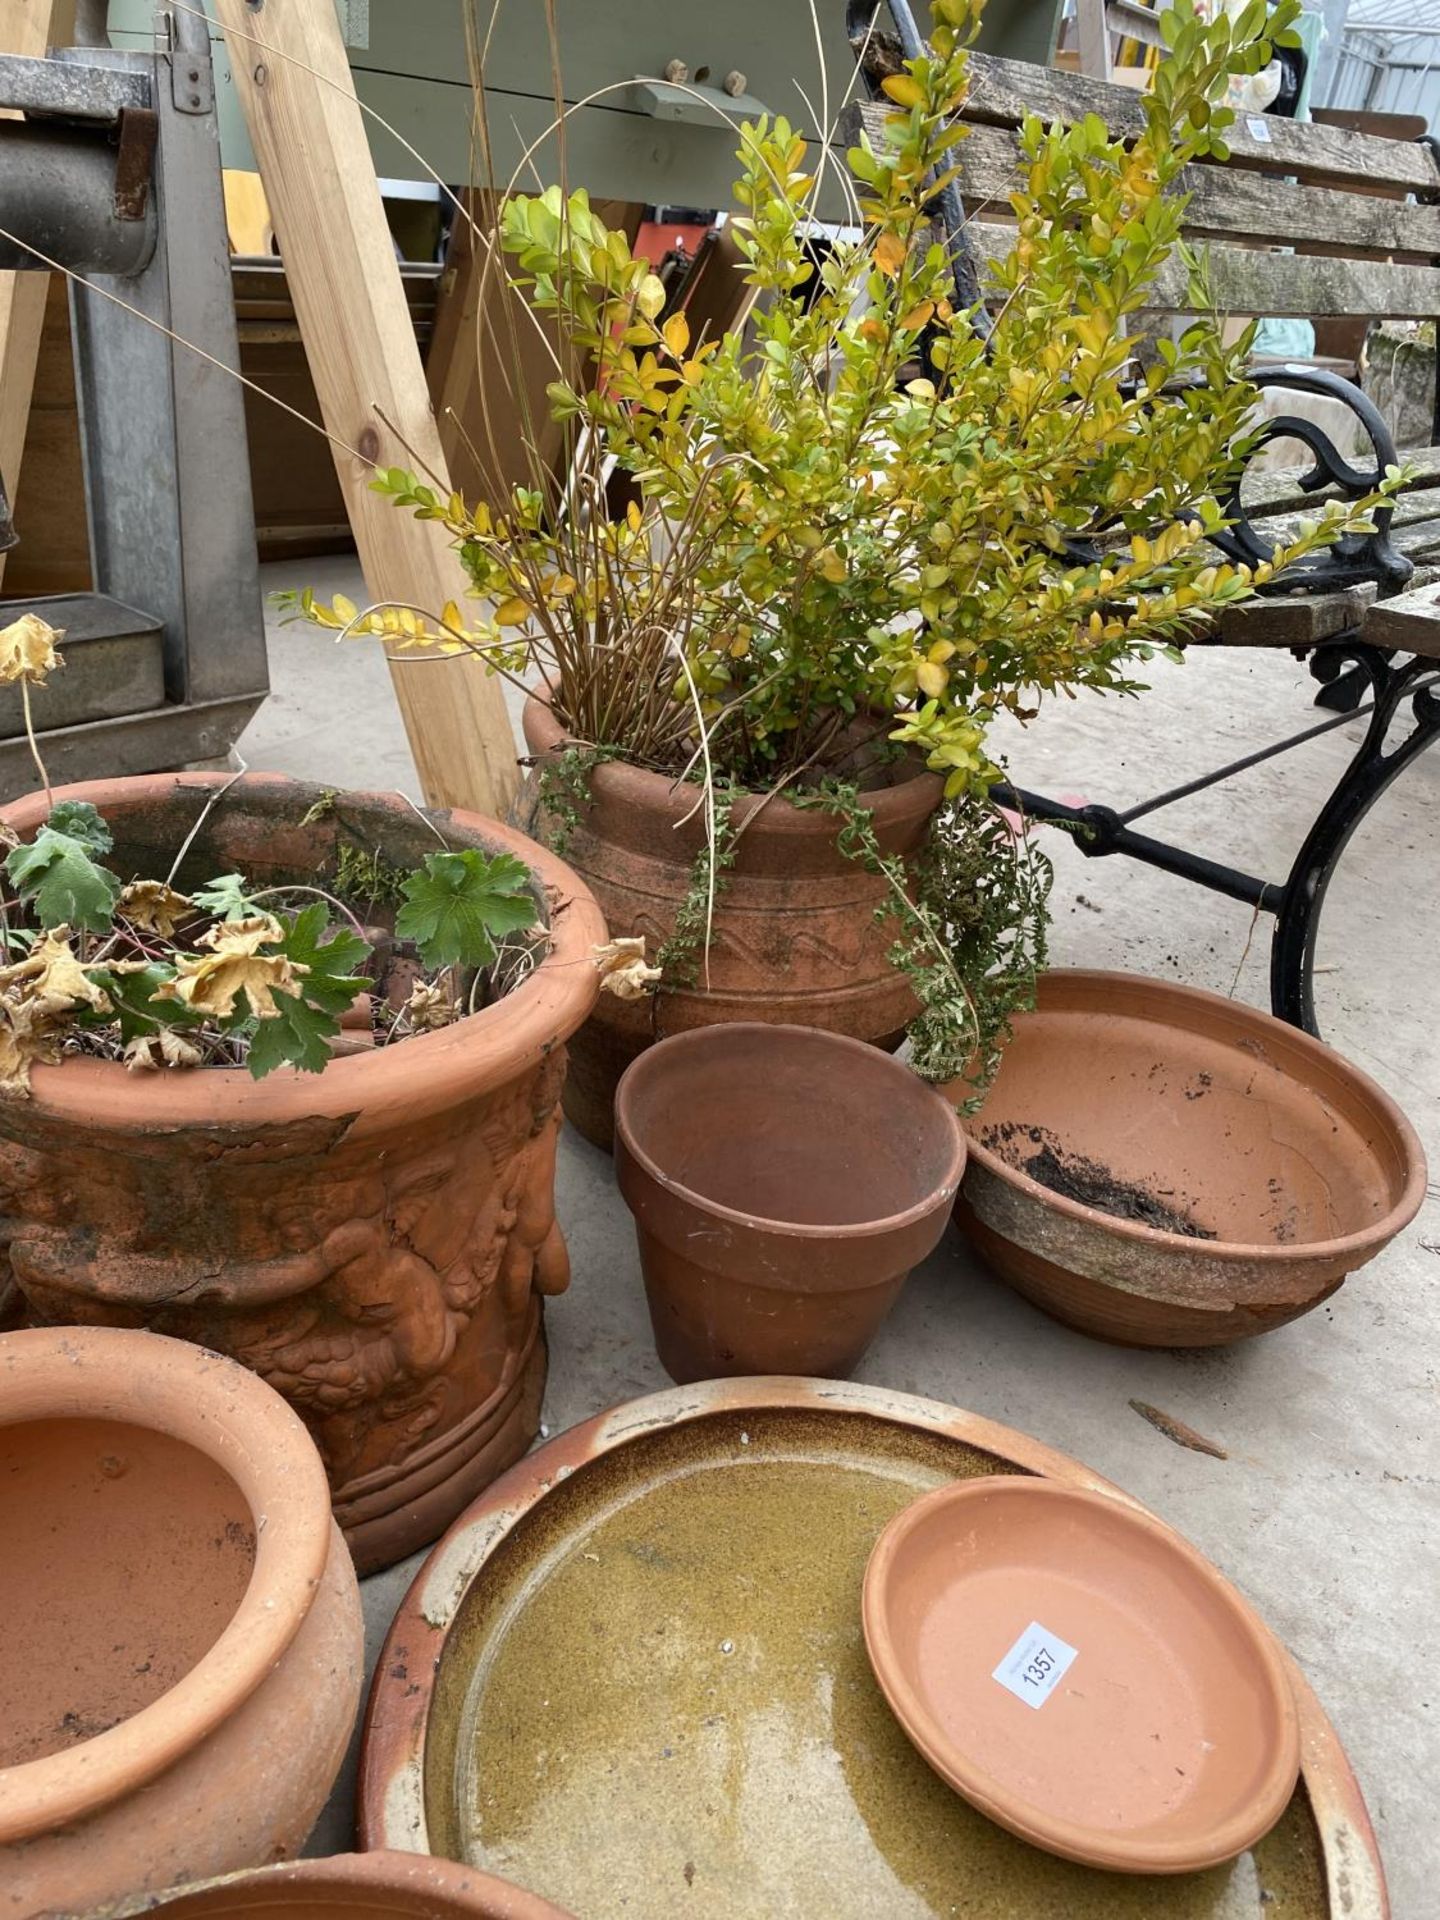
1081,1675
1295,1166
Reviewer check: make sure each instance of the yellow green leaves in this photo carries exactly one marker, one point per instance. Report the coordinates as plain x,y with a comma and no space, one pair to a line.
904,89
890,253
852,503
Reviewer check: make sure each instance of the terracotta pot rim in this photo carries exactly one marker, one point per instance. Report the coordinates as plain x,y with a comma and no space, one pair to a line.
621,780
969,1777
1294,1253
458,1061
151,1381
652,1060
390,1796
468,1890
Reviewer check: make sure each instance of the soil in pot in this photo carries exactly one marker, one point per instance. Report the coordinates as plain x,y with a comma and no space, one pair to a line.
795,937
376,1239
784,1181
183,1645
1038,1152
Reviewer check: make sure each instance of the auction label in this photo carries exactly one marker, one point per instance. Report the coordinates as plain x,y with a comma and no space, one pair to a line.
1035,1665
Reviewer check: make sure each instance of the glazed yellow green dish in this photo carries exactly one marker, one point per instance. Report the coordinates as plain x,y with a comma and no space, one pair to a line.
655,1698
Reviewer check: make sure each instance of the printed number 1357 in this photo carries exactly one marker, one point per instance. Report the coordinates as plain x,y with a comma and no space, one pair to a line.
1035,1673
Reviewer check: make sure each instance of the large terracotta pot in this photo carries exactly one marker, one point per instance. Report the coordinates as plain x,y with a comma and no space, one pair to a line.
357,1886
375,1239
795,937
183,1647
784,1182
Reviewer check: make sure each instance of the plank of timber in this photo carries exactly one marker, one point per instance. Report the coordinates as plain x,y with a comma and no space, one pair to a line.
1230,200
1410,622
1250,280
24,29
294,84
1298,620
1003,92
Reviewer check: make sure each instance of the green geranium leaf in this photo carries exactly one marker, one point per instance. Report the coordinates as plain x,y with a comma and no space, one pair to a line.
60,883
227,897
299,1033
78,820
297,1036
333,980
458,903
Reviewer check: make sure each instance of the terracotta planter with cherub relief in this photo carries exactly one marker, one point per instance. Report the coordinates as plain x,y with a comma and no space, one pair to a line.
374,1240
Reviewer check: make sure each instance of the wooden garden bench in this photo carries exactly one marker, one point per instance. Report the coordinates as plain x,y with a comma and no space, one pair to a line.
1358,218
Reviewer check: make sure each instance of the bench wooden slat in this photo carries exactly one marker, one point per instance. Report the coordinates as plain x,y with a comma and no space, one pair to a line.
1229,200
1410,622
1004,91
1249,280
1293,620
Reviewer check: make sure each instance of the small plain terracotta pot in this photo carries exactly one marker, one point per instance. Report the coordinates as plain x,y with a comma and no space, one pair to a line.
1295,1166
784,1181
795,936
1081,1675
368,1886
183,1647
375,1240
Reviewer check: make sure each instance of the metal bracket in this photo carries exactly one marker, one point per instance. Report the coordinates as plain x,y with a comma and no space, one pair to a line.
354,22
699,104
192,76
135,161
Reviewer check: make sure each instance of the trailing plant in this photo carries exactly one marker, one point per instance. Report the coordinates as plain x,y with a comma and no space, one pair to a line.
231,972
562,790
970,919
679,957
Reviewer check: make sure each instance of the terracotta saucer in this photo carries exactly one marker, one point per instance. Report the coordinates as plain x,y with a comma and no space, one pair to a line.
1081,1675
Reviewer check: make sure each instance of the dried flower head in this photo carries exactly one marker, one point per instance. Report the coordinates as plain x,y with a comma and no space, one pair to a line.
27,649
623,969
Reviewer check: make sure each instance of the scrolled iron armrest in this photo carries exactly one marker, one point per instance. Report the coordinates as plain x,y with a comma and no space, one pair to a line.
1354,559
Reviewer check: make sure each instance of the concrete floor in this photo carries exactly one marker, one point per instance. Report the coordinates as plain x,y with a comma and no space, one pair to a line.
1326,1512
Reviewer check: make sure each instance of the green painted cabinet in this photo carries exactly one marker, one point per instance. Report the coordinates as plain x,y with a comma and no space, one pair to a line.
411,67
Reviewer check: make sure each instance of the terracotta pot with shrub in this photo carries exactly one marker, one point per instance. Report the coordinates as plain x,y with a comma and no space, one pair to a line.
800,933
375,1239
847,525
183,1649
